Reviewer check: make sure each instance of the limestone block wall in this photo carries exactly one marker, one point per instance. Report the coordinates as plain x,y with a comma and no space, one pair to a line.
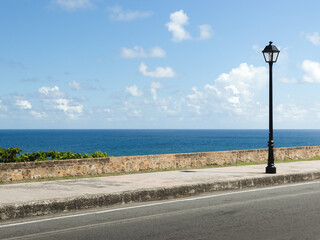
60,168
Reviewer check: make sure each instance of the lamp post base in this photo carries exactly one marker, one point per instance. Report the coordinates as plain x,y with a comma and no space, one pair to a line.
271,169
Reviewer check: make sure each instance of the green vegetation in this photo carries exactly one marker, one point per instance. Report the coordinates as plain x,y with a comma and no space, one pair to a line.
14,155
288,160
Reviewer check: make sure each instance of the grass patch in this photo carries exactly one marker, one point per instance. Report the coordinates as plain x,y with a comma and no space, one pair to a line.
287,160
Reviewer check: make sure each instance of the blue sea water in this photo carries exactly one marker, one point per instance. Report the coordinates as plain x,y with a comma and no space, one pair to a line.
145,142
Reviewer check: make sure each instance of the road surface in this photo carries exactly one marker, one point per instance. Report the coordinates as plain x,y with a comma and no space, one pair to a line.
281,212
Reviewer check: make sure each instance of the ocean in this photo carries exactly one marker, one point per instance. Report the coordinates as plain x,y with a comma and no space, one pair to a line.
146,142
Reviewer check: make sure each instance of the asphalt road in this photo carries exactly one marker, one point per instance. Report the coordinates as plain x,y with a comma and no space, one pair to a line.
282,212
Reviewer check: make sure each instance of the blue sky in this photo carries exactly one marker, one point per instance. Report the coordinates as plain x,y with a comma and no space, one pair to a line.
157,64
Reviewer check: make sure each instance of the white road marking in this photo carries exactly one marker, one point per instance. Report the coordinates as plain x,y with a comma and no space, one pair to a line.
155,204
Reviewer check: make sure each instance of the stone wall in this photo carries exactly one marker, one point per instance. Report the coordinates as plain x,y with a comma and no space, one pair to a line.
60,168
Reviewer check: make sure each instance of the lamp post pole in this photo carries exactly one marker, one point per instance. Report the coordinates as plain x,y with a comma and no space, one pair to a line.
270,54
270,168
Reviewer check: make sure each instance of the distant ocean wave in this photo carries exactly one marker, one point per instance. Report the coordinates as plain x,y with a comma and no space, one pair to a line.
145,142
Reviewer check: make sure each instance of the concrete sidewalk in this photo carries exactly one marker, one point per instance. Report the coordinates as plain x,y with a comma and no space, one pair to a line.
41,198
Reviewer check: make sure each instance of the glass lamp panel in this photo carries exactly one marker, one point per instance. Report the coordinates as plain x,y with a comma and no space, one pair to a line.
275,56
268,56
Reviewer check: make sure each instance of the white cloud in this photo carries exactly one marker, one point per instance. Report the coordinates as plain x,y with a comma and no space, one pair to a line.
235,91
139,52
157,52
173,110
53,97
68,107
153,88
205,31
135,113
159,72
195,95
75,85
195,108
134,91
233,100
195,100
118,14
2,107
243,80
232,88
131,109
290,112
236,94
178,21
47,91
315,109
136,52
72,5
38,115
288,80
244,77
312,71
23,104
176,25
257,48
314,38
213,89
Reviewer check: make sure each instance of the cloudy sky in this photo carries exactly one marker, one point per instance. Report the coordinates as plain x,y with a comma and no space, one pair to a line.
157,64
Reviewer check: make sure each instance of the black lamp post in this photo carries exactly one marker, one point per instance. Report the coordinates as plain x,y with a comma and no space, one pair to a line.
270,54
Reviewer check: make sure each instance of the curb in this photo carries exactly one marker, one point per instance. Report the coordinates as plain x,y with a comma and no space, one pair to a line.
40,208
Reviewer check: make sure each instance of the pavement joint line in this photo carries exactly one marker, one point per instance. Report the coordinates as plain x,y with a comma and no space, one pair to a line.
159,203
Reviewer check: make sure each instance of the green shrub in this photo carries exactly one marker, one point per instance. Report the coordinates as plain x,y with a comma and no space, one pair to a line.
13,155
10,154
98,154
